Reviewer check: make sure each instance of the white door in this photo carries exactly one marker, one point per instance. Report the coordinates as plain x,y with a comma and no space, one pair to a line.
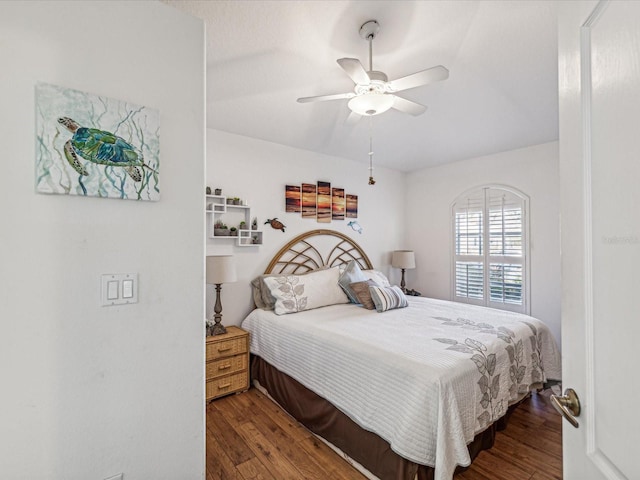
599,87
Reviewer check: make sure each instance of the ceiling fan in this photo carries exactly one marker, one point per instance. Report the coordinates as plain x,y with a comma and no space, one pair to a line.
374,93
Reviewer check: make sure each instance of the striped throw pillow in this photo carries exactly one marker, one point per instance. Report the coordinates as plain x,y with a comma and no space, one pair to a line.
388,298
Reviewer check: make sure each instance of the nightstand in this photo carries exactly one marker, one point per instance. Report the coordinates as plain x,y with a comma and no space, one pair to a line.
227,363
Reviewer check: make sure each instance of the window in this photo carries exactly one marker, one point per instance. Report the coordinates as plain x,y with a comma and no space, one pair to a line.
490,260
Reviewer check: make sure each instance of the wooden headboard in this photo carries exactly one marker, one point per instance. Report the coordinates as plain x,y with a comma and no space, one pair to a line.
316,249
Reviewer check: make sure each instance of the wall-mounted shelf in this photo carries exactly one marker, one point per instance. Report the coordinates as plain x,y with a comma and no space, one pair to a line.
231,215
216,203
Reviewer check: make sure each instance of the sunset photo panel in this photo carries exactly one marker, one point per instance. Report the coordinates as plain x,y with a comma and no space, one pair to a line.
338,204
352,206
320,201
292,197
308,200
324,202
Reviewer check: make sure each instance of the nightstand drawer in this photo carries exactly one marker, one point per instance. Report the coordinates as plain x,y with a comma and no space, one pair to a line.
226,348
224,385
225,366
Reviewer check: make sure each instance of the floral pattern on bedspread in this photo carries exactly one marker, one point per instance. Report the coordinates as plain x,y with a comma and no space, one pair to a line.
492,403
443,392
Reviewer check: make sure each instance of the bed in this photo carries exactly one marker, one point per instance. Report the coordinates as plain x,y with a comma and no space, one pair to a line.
410,392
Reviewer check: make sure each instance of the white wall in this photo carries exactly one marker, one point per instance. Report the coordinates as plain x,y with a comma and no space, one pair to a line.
430,193
90,391
258,171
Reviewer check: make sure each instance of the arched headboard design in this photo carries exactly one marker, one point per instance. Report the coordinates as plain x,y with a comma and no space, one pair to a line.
316,249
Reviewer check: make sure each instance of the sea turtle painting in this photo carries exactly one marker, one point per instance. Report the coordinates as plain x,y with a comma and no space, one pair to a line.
95,146
103,148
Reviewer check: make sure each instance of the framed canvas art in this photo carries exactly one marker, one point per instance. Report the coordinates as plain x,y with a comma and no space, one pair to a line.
324,202
89,145
352,206
337,204
292,199
308,200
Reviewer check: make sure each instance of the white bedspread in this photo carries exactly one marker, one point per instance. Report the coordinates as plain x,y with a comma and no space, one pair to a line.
426,378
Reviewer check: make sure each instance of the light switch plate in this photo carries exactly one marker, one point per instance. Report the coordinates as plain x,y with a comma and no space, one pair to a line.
119,289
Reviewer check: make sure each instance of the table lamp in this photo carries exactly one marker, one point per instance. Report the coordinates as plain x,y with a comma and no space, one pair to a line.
403,259
220,269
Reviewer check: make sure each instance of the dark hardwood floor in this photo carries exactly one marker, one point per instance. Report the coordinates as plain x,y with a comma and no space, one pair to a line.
249,437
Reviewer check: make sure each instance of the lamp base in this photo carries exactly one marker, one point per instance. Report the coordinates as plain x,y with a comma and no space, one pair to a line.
215,329
218,329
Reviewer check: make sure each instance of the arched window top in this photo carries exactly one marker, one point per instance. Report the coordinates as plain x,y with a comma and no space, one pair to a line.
495,189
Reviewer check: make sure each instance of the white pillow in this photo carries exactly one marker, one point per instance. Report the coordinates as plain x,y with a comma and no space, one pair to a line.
377,276
295,293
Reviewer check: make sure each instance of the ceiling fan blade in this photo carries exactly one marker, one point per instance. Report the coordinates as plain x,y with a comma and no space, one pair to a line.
418,79
353,118
407,106
355,70
322,98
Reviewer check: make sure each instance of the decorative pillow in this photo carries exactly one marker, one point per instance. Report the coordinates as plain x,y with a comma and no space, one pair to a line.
377,276
361,289
388,298
261,294
256,292
295,293
351,274
342,267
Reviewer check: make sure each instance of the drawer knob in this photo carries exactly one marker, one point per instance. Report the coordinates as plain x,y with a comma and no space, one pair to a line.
226,385
224,367
224,349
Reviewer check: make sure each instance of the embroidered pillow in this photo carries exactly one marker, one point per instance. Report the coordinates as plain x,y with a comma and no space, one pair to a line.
388,298
295,293
262,297
361,289
351,274
377,276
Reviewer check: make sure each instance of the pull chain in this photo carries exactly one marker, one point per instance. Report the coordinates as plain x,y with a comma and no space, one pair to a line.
371,180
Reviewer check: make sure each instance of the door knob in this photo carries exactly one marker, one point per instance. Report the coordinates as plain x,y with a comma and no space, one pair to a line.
567,405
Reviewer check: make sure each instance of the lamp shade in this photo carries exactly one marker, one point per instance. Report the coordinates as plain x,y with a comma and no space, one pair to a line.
403,259
221,269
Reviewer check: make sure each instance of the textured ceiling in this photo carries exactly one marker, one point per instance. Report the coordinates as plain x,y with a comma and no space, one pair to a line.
501,93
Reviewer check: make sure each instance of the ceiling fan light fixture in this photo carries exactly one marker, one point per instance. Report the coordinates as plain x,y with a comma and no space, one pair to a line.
371,103
373,93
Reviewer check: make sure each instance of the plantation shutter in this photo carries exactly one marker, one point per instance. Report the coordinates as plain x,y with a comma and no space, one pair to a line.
469,248
489,264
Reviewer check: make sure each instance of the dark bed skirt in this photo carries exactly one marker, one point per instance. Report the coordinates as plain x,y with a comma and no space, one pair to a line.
366,448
